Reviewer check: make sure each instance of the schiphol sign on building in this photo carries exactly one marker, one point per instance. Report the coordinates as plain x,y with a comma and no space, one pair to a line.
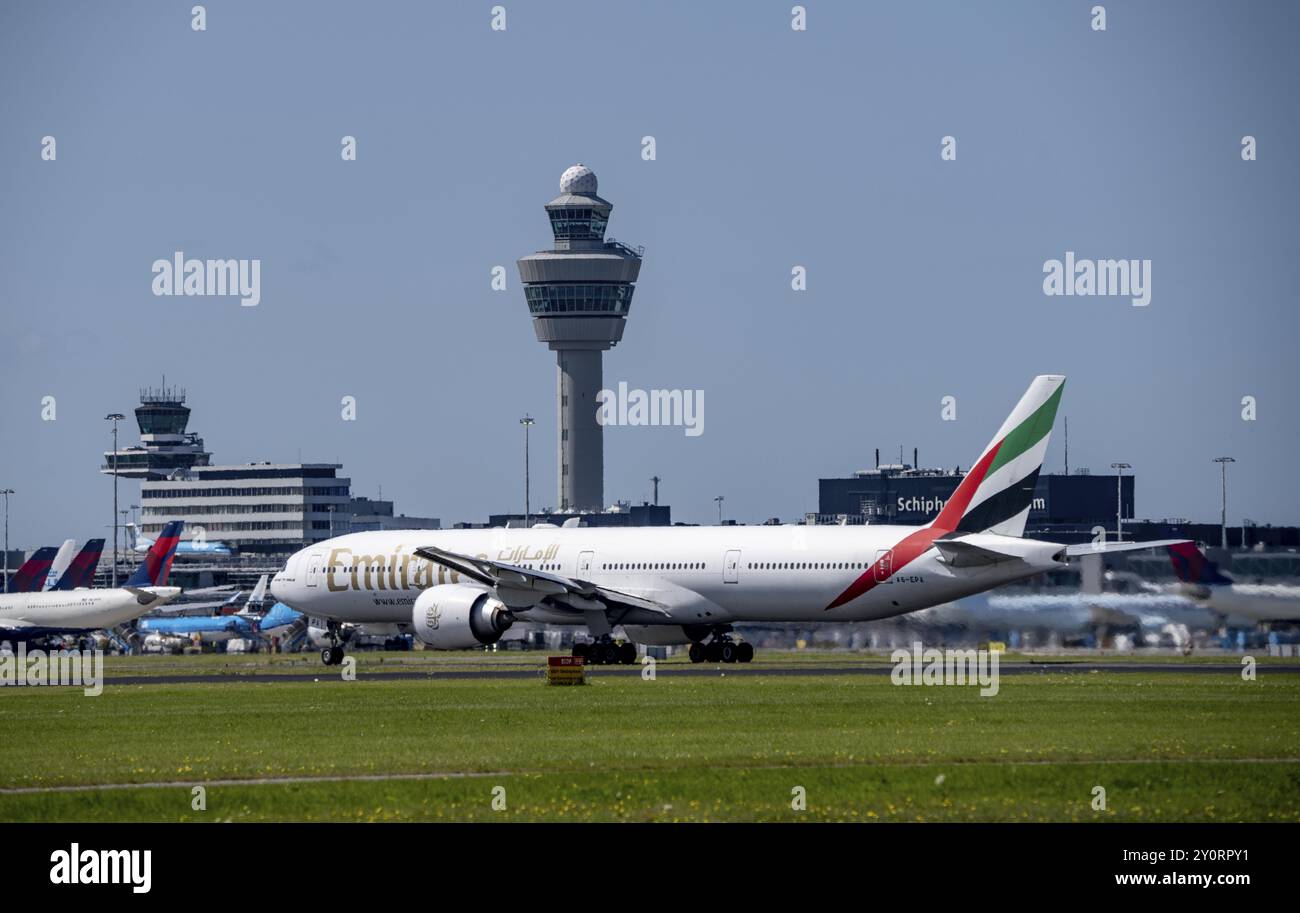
931,507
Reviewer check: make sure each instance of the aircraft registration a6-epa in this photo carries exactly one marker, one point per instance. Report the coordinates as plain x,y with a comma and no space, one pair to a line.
455,589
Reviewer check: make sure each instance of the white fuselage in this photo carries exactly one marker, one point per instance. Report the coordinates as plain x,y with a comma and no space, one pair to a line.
1258,602
699,575
78,610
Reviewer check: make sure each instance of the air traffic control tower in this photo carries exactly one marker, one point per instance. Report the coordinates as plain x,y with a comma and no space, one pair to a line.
579,294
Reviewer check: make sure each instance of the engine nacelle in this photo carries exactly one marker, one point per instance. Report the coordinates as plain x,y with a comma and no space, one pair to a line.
453,616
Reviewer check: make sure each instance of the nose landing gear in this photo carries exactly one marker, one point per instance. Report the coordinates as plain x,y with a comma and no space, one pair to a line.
722,647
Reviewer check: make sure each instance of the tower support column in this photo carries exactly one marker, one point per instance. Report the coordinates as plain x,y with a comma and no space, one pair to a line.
581,445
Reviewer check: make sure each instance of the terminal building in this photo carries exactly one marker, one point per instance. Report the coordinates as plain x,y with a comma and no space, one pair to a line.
621,514
366,515
256,509
1064,507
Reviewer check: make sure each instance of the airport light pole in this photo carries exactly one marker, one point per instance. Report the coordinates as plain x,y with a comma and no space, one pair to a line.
6,492
1119,499
719,499
656,481
1223,462
114,417
528,422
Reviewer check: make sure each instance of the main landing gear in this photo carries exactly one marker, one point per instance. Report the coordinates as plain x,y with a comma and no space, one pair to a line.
722,647
333,654
605,651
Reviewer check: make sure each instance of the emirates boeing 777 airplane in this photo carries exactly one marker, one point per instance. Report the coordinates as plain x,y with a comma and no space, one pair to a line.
455,589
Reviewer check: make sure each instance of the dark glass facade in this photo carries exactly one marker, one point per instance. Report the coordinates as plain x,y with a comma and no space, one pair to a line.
918,498
578,298
162,418
578,223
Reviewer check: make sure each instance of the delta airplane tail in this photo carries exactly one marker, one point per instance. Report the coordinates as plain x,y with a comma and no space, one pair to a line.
995,495
81,572
1191,566
157,562
31,576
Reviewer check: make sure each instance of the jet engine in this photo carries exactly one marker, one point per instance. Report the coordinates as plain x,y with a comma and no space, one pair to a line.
453,616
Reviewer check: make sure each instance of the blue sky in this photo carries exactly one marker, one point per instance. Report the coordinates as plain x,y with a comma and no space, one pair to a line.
774,148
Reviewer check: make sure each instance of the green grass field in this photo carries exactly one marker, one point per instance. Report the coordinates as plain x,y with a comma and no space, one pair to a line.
1173,746
379,662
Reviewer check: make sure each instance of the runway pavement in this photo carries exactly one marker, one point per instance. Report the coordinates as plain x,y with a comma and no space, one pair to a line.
676,669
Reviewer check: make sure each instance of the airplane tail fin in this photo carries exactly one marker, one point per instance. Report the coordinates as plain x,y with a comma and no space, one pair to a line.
278,615
157,563
31,575
258,596
255,605
81,572
1191,566
62,561
995,496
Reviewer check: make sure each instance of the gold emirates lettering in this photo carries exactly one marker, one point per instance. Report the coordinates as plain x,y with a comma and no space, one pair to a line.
520,554
399,571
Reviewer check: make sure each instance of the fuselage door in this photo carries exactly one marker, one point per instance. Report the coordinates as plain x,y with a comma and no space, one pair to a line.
584,562
313,569
884,565
731,566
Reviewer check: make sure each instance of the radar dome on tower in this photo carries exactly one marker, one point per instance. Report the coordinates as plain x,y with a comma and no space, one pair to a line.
578,179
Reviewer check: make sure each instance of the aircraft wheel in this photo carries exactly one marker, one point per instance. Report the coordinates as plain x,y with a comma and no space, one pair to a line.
696,653
728,652
713,652
583,650
327,656
744,652
627,653
610,655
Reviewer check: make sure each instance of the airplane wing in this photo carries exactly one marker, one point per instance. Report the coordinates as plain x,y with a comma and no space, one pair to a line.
1104,548
520,584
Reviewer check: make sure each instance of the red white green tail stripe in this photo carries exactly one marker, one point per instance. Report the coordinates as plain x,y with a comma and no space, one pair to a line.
995,495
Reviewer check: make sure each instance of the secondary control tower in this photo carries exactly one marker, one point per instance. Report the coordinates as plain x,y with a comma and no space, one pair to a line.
579,294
